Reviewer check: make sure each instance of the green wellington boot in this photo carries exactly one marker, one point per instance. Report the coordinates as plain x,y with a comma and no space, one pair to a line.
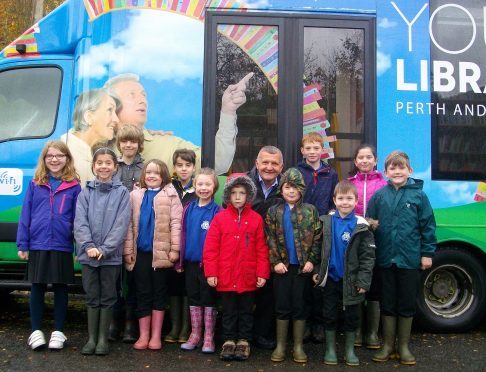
299,329
330,357
403,338
349,356
372,324
387,351
185,322
175,319
278,354
103,347
93,324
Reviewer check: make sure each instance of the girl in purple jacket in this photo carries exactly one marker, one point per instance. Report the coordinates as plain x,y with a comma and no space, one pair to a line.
45,237
367,181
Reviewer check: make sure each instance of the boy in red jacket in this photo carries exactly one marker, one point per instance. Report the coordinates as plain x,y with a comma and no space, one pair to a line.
235,259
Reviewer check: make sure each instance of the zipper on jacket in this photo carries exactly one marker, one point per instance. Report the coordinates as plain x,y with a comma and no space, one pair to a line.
364,194
247,239
62,204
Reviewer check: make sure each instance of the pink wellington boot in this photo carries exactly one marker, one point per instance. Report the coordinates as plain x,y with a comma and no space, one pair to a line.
143,340
196,325
209,324
157,322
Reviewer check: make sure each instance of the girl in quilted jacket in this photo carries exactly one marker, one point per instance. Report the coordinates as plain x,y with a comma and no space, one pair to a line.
45,237
152,247
367,181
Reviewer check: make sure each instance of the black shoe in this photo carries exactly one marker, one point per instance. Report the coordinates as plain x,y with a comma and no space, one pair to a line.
228,351
265,343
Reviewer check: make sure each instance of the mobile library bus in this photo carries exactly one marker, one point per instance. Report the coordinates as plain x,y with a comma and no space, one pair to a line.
403,74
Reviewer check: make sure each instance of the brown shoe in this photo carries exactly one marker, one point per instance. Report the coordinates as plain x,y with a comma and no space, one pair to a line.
242,351
228,350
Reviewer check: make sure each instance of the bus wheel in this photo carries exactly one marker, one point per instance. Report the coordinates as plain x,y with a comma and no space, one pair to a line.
453,292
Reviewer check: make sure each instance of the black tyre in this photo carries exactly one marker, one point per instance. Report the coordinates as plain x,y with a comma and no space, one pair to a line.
453,292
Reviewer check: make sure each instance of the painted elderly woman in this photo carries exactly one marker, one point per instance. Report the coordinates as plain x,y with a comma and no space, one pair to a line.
94,120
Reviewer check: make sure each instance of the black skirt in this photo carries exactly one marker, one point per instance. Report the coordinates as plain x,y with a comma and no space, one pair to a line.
48,267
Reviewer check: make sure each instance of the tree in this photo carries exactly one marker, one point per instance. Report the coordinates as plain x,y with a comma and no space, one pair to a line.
16,16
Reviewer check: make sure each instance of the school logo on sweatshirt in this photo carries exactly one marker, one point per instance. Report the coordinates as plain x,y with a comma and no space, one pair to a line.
205,225
346,236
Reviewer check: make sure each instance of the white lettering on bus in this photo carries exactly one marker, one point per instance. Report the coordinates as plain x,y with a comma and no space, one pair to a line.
468,74
420,108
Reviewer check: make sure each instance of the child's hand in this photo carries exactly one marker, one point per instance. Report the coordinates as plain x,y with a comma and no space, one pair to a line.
128,259
308,267
93,252
136,186
280,268
212,281
360,290
261,282
425,263
315,278
23,255
374,224
181,270
173,256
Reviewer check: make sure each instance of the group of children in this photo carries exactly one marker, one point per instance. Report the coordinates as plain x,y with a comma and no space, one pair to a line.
179,247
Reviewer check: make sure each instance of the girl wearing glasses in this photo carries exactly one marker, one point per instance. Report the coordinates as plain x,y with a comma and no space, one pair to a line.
45,238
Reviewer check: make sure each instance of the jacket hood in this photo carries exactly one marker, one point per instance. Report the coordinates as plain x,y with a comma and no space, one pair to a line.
104,186
295,178
239,179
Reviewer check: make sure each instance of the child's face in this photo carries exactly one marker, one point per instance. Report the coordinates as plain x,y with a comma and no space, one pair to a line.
398,174
238,196
365,161
312,152
290,193
345,203
129,148
204,187
55,161
153,179
184,170
104,167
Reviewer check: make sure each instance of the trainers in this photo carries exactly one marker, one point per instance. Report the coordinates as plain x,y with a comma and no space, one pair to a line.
57,340
228,351
36,340
242,351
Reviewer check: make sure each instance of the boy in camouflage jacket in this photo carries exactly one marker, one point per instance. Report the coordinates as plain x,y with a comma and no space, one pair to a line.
293,231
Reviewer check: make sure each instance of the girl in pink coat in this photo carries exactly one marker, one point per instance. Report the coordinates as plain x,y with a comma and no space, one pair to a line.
152,247
367,181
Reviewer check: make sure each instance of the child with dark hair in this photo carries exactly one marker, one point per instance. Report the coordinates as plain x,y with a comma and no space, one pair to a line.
235,261
100,227
184,162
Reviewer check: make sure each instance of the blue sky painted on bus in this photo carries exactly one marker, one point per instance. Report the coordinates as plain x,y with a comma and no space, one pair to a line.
171,70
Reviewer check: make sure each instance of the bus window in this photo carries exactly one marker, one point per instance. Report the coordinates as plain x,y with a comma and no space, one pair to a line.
28,102
257,118
334,60
459,125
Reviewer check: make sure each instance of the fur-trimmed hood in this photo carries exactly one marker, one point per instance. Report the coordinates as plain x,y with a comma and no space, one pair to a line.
237,179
